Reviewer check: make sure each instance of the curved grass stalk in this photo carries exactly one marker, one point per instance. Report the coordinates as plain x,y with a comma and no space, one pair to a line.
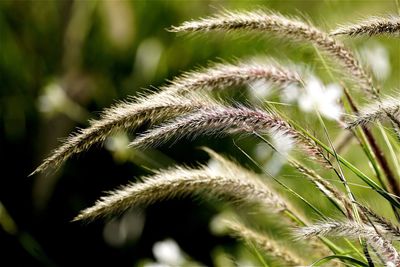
372,26
219,76
368,143
337,198
354,230
326,259
373,185
182,181
168,103
221,120
124,116
283,26
376,112
290,212
265,243
395,159
296,217
356,214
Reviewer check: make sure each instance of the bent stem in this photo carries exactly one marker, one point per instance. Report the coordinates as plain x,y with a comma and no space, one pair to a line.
373,185
292,215
371,143
393,186
348,190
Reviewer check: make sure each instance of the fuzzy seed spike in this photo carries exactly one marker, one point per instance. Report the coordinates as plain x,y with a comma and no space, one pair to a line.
165,104
293,28
124,116
351,229
372,26
265,243
182,181
222,120
377,111
219,76
391,229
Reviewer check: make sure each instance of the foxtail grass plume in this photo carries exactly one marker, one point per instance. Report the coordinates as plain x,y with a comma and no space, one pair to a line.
230,167
220,120
349,229
124,116
377,111
376,237
219,76
371,26
383,223
344,202
376,57
178,111
222,165
315,96
263,242
282,26
325,187
158,106
216,120
183,181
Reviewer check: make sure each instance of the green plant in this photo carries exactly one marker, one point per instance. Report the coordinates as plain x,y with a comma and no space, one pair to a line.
185,108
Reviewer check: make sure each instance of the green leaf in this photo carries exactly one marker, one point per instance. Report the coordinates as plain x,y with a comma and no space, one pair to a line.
340,257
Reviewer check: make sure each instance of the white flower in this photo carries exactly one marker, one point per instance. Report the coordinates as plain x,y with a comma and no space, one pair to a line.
118,146
118,232
260,89
324,99
275,160
117,142
215,166
53,99
282,142
217,224
262,151
376,56
148,57
168,252
290,93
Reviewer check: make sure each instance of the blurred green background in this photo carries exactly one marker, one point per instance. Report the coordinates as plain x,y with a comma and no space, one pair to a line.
62,62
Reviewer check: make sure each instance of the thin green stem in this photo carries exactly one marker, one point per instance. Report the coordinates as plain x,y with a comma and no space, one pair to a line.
341,174
362,139
381,159
373,185
335,249
259,256
395,159
344,181
323,216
